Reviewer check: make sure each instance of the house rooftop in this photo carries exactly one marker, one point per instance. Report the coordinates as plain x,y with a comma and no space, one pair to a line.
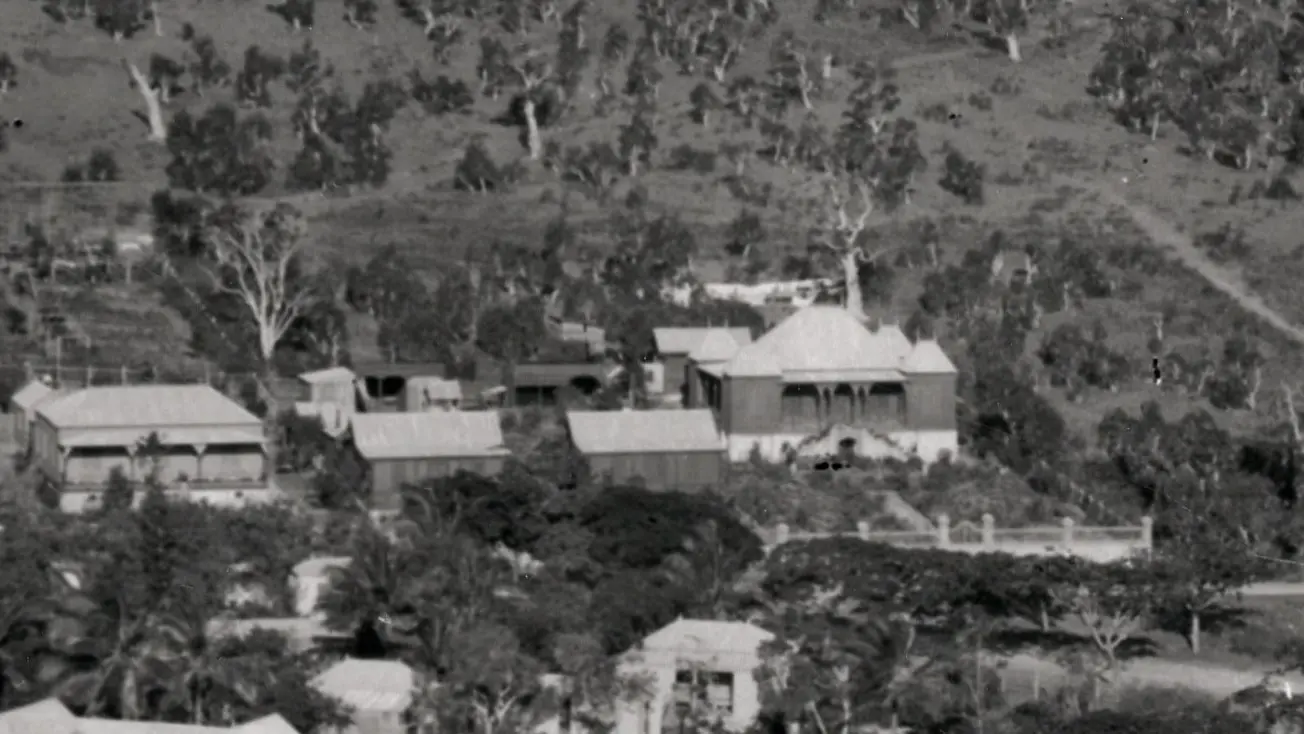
644,431
50,716
817,338
434,434
677,340
30,394
436,388
707,635
927,358
369,685
146,406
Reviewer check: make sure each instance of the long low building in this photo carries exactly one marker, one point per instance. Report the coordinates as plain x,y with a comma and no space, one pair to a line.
208,446
662,449
399,448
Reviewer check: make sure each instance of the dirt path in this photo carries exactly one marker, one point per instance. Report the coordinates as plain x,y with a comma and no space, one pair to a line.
1166,235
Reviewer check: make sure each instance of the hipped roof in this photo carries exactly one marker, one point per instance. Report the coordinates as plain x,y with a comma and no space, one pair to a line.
145,406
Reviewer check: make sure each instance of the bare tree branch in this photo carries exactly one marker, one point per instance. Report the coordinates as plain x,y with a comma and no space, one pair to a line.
258,259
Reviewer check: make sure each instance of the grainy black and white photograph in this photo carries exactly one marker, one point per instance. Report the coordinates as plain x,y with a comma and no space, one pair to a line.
651,367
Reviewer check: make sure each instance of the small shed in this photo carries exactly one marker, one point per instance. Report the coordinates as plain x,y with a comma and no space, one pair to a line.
379,692
23,406
400,448
666,449
334,385
432,393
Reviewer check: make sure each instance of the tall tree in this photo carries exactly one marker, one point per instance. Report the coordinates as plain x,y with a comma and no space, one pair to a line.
260,259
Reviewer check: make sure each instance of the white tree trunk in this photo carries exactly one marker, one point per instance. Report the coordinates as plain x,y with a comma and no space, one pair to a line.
1012,45
158,20
855,300
533,142
158,132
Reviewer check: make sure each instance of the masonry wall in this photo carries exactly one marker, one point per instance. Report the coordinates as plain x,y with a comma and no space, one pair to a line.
930,402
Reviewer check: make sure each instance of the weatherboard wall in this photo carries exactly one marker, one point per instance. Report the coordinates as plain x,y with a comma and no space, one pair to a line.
751,404
930,402
681,470
387,476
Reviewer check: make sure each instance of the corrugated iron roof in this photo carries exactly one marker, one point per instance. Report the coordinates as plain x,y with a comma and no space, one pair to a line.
817,338
927,358
896,338
428,434
369,685
707,635
30,394
153,406
684,339
201,435
644,431
330,374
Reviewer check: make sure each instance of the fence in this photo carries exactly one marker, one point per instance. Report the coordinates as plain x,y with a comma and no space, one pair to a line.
1095,543
71,207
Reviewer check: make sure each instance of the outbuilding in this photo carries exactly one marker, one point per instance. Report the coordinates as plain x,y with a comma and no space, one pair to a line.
209,446
22,406
674,344
665,449
400,448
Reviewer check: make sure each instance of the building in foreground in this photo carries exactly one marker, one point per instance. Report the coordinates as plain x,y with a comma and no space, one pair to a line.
379,692
820,379
209,446
400,448
690,660
665,449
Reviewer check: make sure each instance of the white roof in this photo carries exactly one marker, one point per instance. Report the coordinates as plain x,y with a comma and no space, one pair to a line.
146,406
718,345
30,394
432,434
684,339
644,431
369,685
896,339
320,565
819,338
47,716
927,358
330,374
707,635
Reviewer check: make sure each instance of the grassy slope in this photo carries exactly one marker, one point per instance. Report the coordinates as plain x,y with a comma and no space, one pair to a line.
419,210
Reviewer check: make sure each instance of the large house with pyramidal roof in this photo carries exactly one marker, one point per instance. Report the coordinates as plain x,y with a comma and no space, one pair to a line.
821,377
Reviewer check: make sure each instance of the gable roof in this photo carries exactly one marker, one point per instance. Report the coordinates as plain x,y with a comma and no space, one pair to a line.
707,635
927,358
146,406
644,431
718,345
49,716
818,338
431,434
30,394
369,685
676,340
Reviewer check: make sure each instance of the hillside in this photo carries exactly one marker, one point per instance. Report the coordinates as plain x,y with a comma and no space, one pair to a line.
1045,149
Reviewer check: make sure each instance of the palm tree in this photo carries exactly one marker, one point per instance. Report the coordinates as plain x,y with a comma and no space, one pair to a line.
114,661
202,673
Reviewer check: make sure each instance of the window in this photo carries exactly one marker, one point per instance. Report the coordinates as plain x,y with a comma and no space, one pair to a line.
714,689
